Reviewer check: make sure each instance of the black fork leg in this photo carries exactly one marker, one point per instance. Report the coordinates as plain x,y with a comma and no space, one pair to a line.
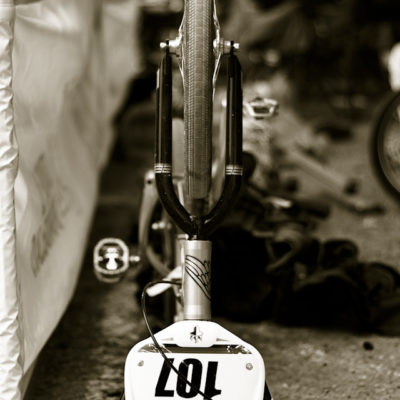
163,149
234,139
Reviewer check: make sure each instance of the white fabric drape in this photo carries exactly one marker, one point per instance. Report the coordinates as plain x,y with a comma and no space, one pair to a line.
10,366
64,67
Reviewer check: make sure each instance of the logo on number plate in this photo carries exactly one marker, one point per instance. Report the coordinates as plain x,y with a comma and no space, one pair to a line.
196,335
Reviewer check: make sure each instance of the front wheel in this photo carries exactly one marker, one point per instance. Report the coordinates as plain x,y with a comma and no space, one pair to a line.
385,145
198,70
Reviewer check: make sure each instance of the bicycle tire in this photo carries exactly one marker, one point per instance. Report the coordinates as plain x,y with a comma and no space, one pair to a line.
385,145
198,69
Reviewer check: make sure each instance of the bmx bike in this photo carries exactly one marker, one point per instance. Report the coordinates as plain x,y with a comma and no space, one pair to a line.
193,357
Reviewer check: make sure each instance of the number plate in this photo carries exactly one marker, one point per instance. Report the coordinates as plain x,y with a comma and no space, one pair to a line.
227,369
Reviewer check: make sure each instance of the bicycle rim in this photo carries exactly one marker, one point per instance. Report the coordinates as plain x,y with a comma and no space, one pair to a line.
386,146
198,69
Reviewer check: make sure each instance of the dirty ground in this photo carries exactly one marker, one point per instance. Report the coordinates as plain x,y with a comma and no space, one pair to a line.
84,359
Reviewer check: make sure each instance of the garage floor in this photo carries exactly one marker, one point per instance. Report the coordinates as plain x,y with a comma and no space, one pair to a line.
84,359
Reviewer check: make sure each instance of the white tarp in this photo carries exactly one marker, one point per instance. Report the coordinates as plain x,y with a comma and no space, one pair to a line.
71,62
10,368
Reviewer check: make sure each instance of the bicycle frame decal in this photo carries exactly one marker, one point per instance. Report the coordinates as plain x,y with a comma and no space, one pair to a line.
199,271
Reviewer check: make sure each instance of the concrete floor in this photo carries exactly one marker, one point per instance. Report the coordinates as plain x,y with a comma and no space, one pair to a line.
84,359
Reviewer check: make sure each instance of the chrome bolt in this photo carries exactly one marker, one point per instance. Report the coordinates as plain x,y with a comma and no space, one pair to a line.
174,45
222,46
249,366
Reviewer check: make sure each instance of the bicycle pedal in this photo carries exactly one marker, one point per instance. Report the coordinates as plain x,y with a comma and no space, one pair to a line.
111,260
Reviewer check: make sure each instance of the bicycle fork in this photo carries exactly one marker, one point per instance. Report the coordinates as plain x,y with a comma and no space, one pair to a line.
198,227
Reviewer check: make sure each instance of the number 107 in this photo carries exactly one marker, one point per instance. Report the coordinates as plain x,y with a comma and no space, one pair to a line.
182,388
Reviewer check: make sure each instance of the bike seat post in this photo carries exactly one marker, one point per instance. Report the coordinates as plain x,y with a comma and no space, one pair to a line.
196,280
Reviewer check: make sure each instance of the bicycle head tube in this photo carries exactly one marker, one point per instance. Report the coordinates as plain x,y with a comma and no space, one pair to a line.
196,280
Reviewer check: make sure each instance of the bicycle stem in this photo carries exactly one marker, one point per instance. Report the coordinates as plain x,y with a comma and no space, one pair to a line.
198,227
